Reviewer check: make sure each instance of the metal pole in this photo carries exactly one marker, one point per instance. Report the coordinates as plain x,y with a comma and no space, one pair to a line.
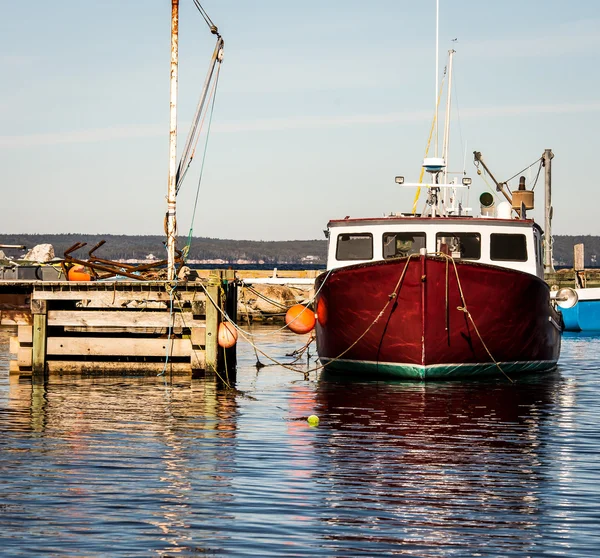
446,144
548,265
171,196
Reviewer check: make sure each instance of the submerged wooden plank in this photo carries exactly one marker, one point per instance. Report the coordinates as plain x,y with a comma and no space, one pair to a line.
87,367
121,318
120,346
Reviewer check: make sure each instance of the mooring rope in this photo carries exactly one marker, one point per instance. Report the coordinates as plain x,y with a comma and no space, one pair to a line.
170,289
464,309
392,296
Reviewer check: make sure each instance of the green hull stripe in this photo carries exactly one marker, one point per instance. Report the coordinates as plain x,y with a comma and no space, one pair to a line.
435,371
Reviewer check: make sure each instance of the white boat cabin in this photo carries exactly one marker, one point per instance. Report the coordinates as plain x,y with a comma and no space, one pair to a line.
509,243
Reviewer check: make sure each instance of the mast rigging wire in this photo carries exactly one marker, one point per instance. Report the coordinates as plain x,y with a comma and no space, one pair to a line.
522,171
187,155
205,16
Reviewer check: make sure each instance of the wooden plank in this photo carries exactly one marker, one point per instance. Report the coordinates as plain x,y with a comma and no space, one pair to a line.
121,318
125,330
25,357
25,334
15,317
13,367
198,336
13,345
118,298
118,346
87,367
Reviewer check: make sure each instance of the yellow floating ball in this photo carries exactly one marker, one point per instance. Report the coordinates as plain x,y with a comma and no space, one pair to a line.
313,420
300,319
227,335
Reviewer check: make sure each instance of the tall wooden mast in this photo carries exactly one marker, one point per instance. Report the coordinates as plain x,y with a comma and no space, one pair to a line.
171,223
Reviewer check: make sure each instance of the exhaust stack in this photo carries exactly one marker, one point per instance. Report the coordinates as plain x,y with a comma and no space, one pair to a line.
486,201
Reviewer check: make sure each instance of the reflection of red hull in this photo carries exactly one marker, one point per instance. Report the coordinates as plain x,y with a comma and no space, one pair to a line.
423,331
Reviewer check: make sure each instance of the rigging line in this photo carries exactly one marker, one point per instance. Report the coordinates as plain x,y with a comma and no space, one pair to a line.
526,168
193,151
217,56
267,299
537,175
212,110
464,309
309,303
205,16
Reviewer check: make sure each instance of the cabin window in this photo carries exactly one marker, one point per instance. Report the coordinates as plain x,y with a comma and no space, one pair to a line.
508,247
462,245
402,244
356,246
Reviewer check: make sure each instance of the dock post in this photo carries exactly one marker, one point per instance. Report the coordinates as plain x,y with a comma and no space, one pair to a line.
579,266
213,318
231,310
40,321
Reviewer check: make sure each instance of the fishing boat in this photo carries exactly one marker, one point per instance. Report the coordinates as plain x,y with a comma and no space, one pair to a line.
439,294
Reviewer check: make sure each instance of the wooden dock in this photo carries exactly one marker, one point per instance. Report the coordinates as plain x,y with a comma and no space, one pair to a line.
130,327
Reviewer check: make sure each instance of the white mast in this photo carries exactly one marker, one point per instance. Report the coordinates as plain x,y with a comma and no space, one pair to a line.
171,195
446,144
437,33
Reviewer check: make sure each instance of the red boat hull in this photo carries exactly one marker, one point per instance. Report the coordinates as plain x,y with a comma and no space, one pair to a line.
429,318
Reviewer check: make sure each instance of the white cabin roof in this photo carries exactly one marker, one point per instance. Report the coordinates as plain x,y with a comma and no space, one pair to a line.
509,243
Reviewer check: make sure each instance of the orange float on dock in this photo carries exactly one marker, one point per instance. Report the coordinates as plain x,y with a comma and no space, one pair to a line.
300,319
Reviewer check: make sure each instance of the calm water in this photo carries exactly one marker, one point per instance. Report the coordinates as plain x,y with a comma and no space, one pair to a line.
140,467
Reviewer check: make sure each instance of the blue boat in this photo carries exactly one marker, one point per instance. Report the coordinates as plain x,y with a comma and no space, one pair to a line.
580,308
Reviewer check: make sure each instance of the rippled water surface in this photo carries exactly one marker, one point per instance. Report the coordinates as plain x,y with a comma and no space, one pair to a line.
143,466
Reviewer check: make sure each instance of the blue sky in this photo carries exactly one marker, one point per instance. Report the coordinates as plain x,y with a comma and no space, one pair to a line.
320,105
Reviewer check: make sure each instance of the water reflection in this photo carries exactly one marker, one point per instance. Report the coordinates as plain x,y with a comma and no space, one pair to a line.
118,454
138,467
435,465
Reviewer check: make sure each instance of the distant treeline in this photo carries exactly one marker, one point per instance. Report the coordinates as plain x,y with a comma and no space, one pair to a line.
126,247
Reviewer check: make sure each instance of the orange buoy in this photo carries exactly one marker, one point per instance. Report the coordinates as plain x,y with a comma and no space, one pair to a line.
78,273
300,319
322,311
227,335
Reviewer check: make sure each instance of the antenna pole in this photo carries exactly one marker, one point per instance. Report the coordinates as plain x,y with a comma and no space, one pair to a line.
437,73
547,158
171,224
